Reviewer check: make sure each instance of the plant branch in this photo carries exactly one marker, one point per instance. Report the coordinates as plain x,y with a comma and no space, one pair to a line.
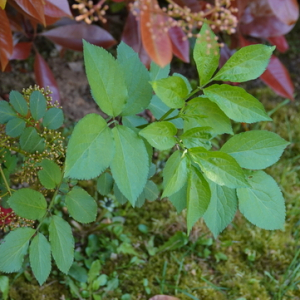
5,181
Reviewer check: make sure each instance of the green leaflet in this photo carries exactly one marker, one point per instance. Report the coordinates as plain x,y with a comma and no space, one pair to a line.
15,127
197,137
198,197
62,243
4,286
156,72
206,57
133,121
137,80
246,64
81,206
179,199
50,175
40,257
37,104
30,141
158,109
105,183
53,118
172,91
221,209
257,149
160,135
175,173
188,85
130,165
94,270
262,203
13,249
119,196
77,272
18,102
236,103
106,79
90,149
28,203
219,167
214,116
6,112
151,191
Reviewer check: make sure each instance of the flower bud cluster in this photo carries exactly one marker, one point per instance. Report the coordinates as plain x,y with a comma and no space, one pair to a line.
90,12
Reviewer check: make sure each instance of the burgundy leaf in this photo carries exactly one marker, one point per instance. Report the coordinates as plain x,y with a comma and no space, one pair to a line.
180,44
193,5
287,11
240,5
44,76
132,37
70,36
280,42
259,21
155,39
57,8
6,40
277,78
163,297
21,51
32,8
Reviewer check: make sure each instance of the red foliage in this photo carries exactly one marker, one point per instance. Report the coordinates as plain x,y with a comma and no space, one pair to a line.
6,215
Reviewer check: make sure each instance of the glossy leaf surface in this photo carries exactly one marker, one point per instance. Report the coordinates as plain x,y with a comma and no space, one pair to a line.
50,175
6,40
180,43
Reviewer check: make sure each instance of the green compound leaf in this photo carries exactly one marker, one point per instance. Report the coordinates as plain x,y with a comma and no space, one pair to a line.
105,184
6,112
236,103
262,204
160,135
158,109
50,176
246,64
198,197
15,127
171,91
156,72
137,80
28,203
53,118
130,165
18,102
214,116
257,149
106,78
81,206
206,54
175,173
13,249
40,257
219,167
90,149
197,137
38,105
179,199
31,141
62,243
221,209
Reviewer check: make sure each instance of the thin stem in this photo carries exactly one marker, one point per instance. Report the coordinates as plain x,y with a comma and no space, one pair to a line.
5,181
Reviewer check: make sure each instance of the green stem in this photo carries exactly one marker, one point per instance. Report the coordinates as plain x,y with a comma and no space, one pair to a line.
166,114
5,181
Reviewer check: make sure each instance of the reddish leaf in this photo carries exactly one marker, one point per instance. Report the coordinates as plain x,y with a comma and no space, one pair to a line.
6,40
155,40
57,8
6,215
280,42
44,76
33,8
180,44
193,5
163,297
287,11
132,37
259,21
240,5
70,36
277,77
21,51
